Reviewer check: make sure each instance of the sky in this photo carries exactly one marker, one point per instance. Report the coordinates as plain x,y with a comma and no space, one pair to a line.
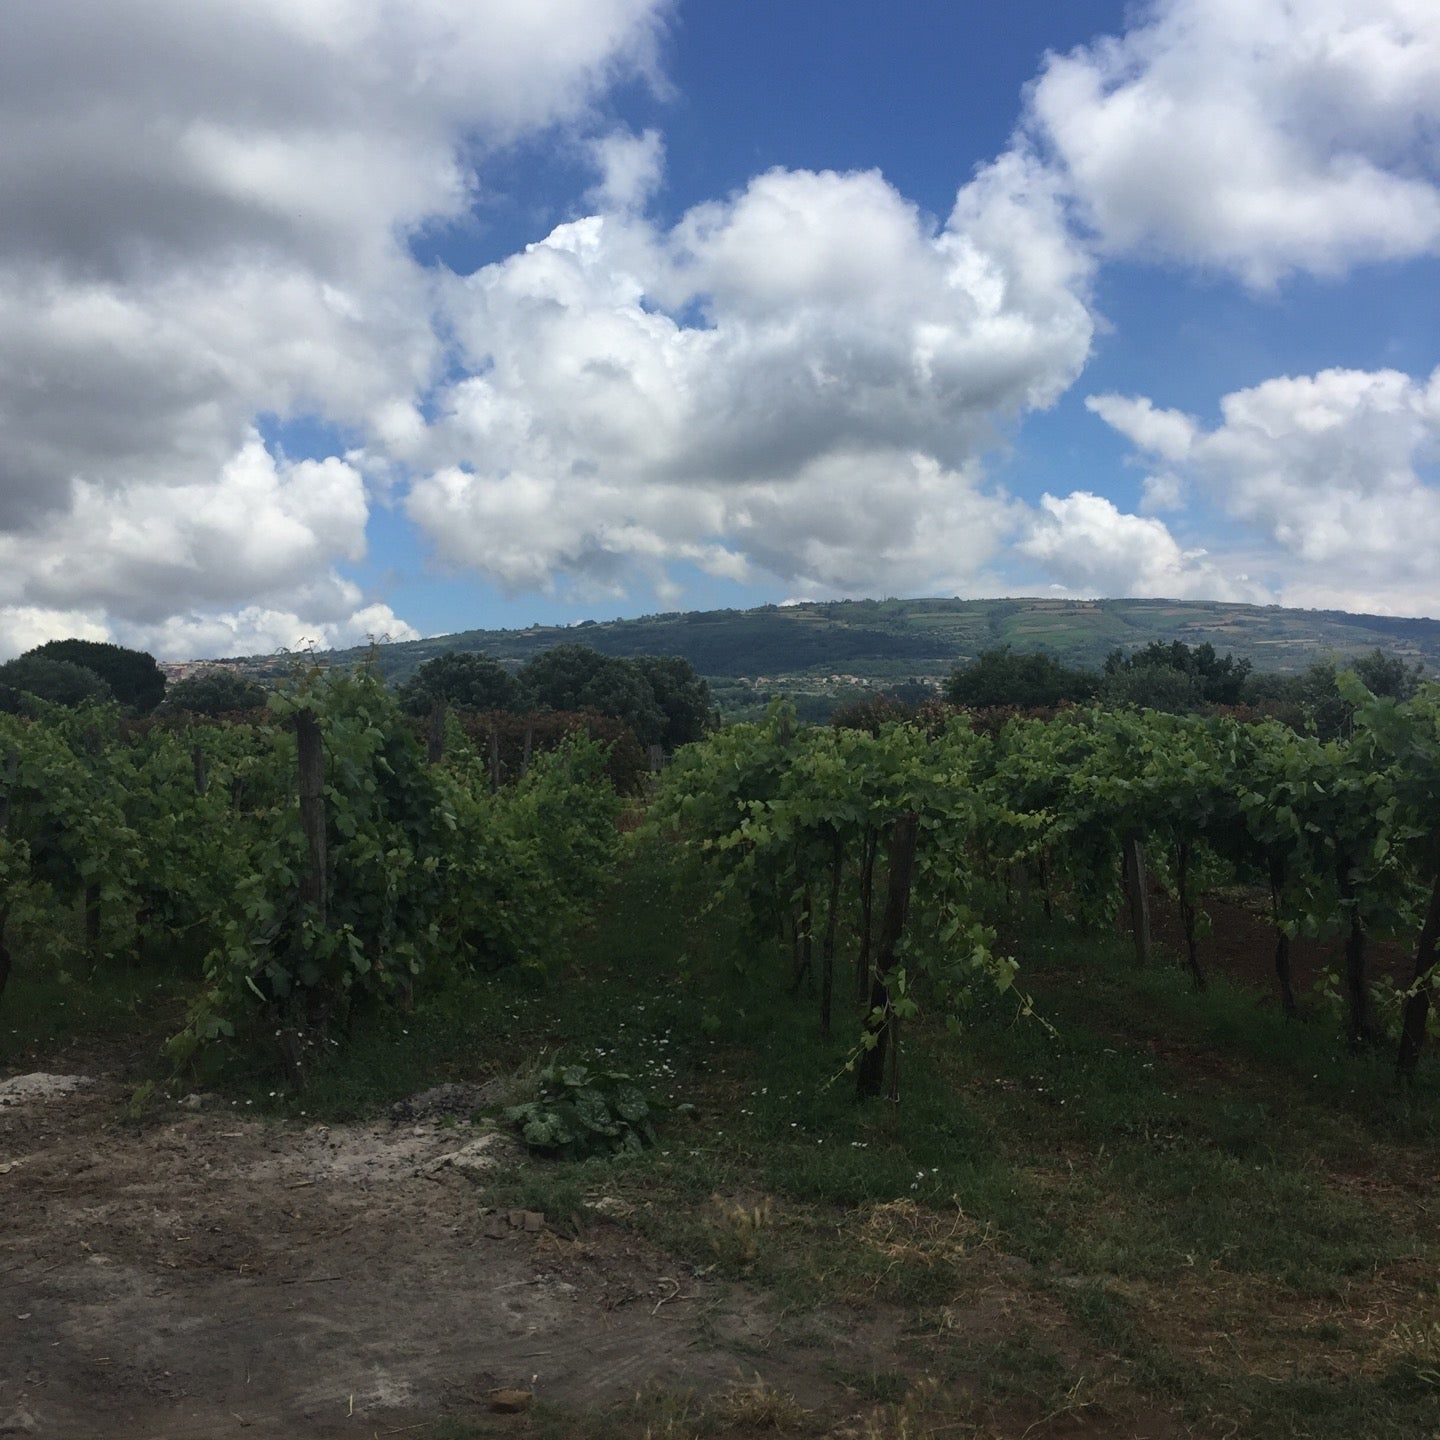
330,319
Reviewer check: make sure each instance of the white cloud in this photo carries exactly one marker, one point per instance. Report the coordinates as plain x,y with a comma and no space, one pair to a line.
206,210
794,381
22,627
158,564
1331,469
1094,548
631,167
1255,136
255,630
1162,491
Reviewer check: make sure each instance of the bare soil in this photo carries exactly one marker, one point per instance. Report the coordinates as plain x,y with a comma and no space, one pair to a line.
212,1275
1240,943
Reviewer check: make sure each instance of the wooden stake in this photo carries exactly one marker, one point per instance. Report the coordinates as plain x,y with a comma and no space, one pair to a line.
870,1073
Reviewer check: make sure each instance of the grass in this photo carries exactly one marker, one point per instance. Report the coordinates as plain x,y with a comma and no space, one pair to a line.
1167,1205
51,1008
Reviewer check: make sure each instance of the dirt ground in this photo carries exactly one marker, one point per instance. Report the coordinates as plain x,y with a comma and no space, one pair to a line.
213,1275
1241,944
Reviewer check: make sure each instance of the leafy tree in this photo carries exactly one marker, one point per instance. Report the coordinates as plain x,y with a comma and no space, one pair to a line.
681,694
214,692
575,677
871,714
1152,687
910,692
1320,690
58,681
1387,677
132,676
1001,677
1219,680
467,681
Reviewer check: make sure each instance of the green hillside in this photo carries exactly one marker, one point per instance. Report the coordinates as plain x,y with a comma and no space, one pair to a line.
833,648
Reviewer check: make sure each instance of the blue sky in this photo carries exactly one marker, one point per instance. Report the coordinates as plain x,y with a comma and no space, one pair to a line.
320,319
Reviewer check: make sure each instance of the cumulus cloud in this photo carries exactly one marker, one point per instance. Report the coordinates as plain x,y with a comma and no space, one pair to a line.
120,560
1259,137
792,382
1093,548
1333,470
206,217
631,167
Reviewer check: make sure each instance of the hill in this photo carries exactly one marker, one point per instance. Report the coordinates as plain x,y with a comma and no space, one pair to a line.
832,648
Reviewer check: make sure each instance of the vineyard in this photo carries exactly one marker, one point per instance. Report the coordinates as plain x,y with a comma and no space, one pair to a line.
1084,811
867,1024
323,856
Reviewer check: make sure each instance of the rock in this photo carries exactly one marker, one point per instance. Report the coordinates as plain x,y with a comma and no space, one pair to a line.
534,1221
21,1089
509,1402
612,1207
18,1422
191,1101
457,1100
486,1152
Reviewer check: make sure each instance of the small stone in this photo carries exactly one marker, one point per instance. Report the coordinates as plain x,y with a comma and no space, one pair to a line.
509,1402
612,1207
191,1102
534,1221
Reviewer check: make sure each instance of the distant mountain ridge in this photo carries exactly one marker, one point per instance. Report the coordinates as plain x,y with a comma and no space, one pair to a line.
849,644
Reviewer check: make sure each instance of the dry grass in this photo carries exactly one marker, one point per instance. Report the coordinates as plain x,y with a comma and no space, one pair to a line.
755,1405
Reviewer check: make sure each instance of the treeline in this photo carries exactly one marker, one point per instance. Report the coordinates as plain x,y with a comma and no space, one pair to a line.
659,698
654,699
1171,677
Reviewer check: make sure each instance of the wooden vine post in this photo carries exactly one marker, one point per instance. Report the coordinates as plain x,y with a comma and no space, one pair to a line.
827,954
1417,1003
11,771
92,890
314,879
1187,912
1362,1026
310,746
870,1071
867,898
1137,890
435,738
1282,940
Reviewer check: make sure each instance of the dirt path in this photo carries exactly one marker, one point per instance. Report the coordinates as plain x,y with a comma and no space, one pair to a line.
215,1276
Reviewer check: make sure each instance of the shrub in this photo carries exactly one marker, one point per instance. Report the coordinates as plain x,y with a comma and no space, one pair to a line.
580,1112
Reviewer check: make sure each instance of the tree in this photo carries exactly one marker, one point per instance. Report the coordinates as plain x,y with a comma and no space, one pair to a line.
681,694
1387,677
58,681
467,681
1218,680
575,677
1320,692
214,692
133,677
1001,677
1152,687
